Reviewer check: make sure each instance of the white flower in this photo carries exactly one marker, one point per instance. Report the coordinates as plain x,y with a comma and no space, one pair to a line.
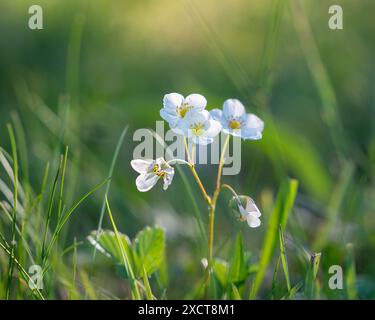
237,122
200,128
177,108
150,171
249,212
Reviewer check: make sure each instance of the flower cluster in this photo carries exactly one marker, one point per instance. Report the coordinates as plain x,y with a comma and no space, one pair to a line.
189,117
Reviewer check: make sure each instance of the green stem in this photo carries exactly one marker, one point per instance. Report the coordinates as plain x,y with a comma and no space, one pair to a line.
211,222
196,177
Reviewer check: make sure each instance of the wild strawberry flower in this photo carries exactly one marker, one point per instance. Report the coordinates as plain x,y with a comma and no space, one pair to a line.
176,108
249,212
237,122
150,171
201,128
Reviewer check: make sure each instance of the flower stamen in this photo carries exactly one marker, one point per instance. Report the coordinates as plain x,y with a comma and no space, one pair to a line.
234,124
183,109
197,129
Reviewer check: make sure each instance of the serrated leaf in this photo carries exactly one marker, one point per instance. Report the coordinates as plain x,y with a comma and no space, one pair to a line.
106,243
149,250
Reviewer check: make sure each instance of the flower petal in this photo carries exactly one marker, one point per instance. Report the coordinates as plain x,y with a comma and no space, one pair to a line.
172,100
141,165
251,134
214,128
197,117
233,109
252,128
254,122
197,101
181,127
146,181
168,179
252,208
216,114
253,221
169,116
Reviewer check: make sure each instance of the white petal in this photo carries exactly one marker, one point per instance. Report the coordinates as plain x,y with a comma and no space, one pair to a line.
141,165
181,127
233,109
168,180
172,100
195,117
214,128
253,122
146,181
206,115
253,221
252,128
197,101
251,134
216,114
169,116
252,208
242,211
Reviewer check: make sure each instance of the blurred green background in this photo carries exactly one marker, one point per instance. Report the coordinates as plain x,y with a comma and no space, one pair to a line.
98,66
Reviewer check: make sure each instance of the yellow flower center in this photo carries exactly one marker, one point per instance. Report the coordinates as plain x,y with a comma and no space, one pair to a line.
158,172
197,129
183,109
161,174
234,124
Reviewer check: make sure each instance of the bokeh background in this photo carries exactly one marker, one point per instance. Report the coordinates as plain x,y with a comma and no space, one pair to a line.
98,66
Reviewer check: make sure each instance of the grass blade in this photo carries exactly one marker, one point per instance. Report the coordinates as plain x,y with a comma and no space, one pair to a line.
62,179
69,213
310,282
49,212
284,204
110,174
23,272
133,282
284,260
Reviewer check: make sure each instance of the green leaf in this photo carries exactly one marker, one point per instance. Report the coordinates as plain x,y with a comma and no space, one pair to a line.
238,267
149,250
147,287
106,243
221,271
284,204
235,293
